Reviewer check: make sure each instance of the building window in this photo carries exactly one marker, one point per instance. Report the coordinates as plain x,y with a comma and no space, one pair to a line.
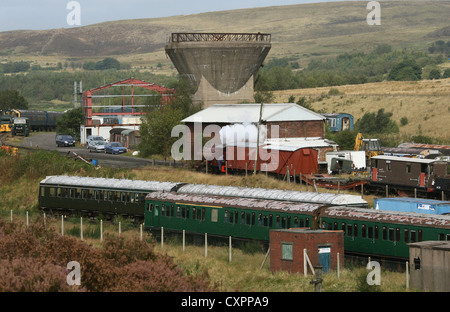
408,168
287,251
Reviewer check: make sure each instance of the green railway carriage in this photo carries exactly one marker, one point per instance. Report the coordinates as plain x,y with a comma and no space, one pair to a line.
384,233
94,196
247,218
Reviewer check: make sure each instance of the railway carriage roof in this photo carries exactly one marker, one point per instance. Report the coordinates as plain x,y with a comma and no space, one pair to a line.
137,185
234,202
274,194
384,216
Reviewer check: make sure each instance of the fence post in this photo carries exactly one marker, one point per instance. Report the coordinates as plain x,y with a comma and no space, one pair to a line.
101,230
140,232
27,218
229,249
317,281
338,267
81,228
206,245
120,229
62,225
184,240
407,275
162,237
11,216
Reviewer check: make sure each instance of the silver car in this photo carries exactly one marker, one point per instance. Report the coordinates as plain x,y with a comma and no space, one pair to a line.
96,146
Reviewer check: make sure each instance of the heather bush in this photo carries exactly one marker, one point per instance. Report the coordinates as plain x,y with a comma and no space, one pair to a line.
34,258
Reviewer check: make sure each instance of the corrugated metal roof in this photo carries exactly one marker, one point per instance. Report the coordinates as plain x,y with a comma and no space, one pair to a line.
249,113
373,215
109,183
407,159
274,194
234,202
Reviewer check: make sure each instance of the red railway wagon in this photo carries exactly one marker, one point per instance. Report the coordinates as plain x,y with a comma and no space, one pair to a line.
273,159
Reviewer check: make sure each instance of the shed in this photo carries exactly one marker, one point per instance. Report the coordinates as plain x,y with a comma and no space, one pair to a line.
322,248
429,264
409,204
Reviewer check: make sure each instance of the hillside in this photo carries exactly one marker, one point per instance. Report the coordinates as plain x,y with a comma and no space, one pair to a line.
424,103
303,32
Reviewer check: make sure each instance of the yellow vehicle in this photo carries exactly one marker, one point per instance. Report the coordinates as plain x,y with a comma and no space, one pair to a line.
372,147
6,123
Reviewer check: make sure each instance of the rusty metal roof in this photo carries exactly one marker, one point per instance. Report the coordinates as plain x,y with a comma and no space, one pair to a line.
373,215
274,194
234,202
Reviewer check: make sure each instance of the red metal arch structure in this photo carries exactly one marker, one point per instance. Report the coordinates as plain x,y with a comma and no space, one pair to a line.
88,95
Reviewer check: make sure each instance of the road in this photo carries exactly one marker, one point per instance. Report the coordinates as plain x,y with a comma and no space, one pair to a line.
46,140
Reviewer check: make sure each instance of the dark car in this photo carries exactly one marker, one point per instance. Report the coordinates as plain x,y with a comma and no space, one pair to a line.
115,148
64,140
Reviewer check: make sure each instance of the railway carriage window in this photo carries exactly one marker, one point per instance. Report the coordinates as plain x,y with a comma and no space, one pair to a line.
260,219
247,219
72,193
406,235
242,217
150,207
408,168
377,232
183,212
391,234
288,222
194,215
388,166
419,236
214,215
178,211
448,237
203,214
225,216
397,234
370,232
270,220
441,237
277,222
343,226
413,237
253,218
307,222
283,222
266,221
301,223
335,226
78,193
349,230
52,192
187,212
363,231
163,210
295,221
384,233
172,210
355,230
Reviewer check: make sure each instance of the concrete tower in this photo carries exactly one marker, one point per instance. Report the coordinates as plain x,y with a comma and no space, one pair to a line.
220,66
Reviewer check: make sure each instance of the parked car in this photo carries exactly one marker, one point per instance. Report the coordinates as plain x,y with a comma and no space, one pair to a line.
93,138
115,148
64,140
96,146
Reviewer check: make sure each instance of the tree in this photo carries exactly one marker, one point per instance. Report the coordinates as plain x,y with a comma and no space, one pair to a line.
435,74
446,73
10,99
69,123
376,123
157,125
406,70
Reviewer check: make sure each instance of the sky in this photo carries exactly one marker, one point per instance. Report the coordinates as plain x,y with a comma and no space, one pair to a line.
49,14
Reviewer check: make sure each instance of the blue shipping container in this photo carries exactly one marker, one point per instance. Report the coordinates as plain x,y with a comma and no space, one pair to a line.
408,204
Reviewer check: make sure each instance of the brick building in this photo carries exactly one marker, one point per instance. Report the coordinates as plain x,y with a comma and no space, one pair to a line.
287,249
